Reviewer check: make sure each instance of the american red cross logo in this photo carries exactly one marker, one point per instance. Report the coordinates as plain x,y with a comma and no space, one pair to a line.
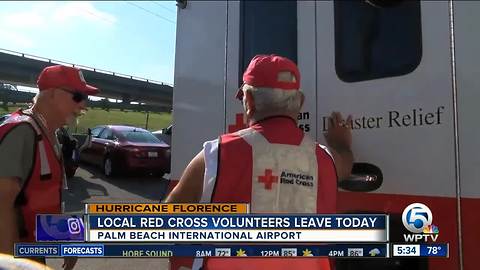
268,179
238,123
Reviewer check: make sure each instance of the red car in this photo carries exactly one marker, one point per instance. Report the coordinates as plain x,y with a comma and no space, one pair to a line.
125,149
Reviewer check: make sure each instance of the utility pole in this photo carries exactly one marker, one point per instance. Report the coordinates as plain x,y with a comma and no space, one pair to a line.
146,123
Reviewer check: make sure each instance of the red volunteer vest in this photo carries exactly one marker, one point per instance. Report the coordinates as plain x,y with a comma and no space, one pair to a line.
234,185
41,193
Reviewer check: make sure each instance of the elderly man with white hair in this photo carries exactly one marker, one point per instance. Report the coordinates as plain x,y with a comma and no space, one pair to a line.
31,169
272,164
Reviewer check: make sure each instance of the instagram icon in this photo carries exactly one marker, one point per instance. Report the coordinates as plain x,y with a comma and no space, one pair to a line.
75,225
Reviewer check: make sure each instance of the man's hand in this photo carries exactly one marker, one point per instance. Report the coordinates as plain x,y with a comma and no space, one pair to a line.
339,139
339,134
69,262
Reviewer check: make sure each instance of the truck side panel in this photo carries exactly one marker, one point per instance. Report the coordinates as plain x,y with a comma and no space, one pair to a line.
467,44
198,98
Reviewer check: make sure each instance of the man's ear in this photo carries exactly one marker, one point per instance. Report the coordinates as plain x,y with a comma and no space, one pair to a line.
250,104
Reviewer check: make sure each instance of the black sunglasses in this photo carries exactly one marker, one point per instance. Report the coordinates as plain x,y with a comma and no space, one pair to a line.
239,94
76,95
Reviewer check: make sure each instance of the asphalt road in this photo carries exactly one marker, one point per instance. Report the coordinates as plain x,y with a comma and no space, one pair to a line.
89,186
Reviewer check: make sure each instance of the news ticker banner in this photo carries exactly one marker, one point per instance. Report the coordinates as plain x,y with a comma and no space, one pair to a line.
213,228
237,228
159,250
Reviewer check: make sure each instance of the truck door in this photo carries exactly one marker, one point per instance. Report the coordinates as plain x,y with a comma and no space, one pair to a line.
389,65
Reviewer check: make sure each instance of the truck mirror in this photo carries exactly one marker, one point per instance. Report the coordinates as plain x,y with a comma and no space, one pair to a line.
365,177
181,4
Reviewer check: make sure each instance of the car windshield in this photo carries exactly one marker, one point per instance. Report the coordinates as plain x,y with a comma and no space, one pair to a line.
139,136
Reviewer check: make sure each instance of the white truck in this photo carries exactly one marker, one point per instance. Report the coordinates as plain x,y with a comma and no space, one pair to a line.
406,70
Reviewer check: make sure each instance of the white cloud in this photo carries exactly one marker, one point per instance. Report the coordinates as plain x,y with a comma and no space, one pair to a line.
15,39
47,14
83,11
23,19
19,29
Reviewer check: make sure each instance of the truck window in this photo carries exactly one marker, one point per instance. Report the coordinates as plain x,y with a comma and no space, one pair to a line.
267,27
374,41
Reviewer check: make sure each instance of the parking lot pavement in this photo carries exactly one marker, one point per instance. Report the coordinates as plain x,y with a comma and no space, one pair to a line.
90,186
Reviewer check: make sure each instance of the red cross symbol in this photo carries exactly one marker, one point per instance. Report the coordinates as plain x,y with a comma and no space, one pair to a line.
238,123
268,179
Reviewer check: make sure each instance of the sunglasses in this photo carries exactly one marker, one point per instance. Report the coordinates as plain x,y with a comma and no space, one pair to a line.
239,94
76,95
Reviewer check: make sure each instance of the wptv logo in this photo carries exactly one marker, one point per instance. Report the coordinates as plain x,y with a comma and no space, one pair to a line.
417,218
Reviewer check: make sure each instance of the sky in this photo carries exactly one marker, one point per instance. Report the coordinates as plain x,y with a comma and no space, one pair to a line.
135,38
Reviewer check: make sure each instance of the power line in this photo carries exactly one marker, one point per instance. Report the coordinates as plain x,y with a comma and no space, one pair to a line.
151,12
95,15
162,6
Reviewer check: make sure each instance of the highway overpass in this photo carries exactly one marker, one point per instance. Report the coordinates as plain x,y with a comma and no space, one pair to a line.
23,69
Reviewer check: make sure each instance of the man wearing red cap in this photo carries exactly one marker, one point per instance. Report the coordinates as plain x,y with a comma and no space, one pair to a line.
271,164
31,171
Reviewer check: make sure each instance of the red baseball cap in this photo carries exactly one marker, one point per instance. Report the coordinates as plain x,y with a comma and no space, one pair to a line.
264,70
64,77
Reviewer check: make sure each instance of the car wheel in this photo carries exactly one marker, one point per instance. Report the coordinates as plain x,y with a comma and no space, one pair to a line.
108,167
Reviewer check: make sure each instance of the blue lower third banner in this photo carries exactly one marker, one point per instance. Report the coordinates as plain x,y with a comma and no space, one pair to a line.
156,250
60,228
238,228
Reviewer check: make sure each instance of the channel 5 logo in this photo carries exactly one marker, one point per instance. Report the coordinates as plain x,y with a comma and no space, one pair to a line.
418,218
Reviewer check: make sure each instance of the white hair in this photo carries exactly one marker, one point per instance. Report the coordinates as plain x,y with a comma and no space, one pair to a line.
273,101
39,96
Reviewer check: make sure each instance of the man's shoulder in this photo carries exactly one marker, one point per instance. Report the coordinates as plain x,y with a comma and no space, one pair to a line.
19,118
213,144
20,129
